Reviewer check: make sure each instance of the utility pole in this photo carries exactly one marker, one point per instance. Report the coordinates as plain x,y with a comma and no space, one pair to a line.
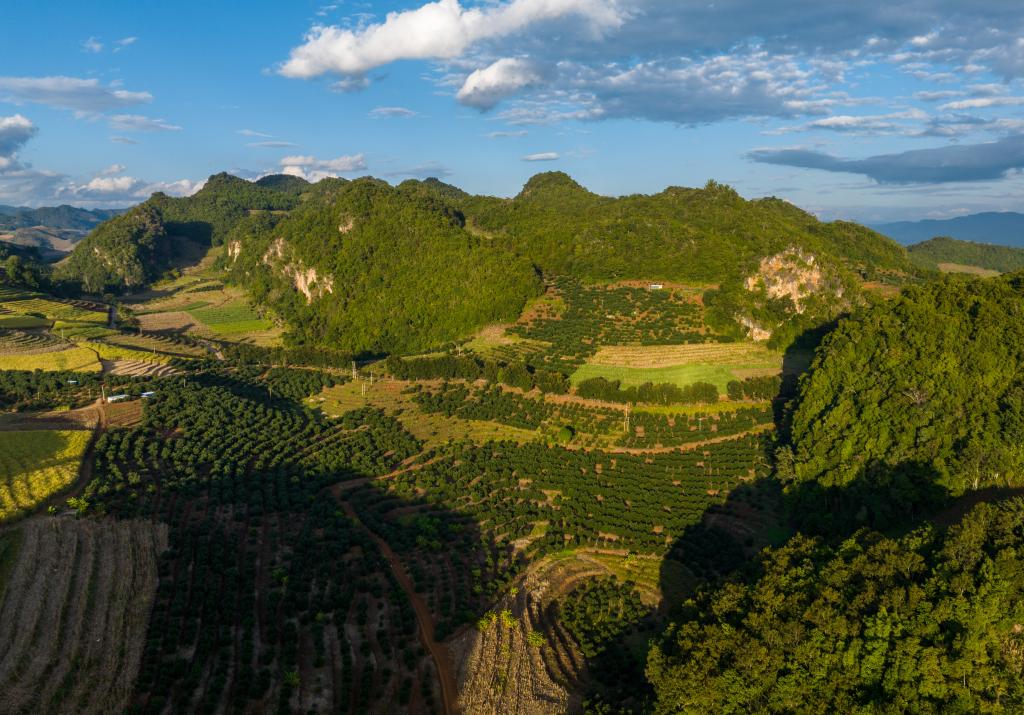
353,369
627,417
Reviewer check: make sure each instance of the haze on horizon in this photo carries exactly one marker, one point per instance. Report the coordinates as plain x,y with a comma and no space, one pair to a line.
870,111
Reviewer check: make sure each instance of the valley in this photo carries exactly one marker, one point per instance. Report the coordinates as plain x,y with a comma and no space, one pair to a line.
525,506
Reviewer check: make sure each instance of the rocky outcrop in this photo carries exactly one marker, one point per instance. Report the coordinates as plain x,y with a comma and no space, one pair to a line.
306,280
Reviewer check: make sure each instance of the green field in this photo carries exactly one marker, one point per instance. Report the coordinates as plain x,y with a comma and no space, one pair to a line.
682,375
35,465
231,318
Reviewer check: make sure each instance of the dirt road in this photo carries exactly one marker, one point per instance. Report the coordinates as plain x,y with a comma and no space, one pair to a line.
438,651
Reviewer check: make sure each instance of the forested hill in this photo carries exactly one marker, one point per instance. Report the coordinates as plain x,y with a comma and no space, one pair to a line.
133,249
917,399
707,235
375,268
952,254
369,268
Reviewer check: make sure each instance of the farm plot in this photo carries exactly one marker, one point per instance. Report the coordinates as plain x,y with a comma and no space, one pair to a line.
432,428
36,464
74,614
156,344
680,364
75,359
19,342
231,318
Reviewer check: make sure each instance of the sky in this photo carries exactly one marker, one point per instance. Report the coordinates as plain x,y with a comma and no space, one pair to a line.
871,111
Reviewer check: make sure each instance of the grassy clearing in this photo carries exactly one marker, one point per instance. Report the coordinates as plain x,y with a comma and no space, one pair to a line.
78,359
108,351
972,270
717,363
433,429
35,465
152,343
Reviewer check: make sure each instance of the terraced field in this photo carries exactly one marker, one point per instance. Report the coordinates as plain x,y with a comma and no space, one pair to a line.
717,363
74,614
36,464
19,342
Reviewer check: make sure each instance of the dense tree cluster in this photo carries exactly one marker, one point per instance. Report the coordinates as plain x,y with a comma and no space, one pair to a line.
755,388
468,367
23,389
928,386
926,623
600,388
600,611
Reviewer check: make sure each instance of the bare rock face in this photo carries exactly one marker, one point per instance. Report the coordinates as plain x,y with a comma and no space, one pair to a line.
792,274
234,250
305,279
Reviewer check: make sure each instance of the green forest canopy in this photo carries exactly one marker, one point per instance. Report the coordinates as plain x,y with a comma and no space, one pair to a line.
942,249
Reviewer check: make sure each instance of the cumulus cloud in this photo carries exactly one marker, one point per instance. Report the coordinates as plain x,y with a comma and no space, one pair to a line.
484,88
542,156
437,30
139,123
312,169
955,163
112,186
15,131
392,112
82,95
92,45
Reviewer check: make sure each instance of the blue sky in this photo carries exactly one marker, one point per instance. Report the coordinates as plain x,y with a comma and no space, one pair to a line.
871,111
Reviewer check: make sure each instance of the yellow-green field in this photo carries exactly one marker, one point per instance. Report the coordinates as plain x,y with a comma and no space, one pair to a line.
717,363
433,429
35,465
199,303
79,359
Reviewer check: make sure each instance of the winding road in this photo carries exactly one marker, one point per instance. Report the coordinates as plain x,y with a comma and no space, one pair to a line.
438,651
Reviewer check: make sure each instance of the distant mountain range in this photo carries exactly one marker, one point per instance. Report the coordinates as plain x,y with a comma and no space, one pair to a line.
1002,228
52,230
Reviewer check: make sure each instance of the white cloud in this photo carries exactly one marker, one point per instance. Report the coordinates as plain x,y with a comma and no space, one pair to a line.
508,134
395,112
983,103
92,45
312,169
253,133
112,170
437,30
123,140
872,124
484,88
126,41
15,131
83,95
542,156
139,123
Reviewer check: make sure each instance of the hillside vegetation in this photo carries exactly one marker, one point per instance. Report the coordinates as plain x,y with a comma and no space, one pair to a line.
936,252
929,385
367,267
